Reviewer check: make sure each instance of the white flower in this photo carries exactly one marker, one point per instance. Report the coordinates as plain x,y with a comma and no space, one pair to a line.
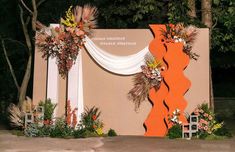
177,110
158,72
174,119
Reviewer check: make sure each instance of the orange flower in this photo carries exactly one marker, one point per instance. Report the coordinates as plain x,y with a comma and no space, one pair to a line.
94,126
94,117
46,122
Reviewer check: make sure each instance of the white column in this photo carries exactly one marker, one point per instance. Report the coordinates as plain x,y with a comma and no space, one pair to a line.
75,86
52,81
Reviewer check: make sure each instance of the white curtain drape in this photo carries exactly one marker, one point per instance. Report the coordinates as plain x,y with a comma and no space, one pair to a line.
124,65
75,87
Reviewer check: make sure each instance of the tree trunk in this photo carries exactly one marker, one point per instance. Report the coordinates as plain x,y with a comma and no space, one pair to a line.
24,84
206,13
207,20
192,7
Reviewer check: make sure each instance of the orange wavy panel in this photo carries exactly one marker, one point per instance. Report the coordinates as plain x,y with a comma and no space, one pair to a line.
170,95
174,77
155,123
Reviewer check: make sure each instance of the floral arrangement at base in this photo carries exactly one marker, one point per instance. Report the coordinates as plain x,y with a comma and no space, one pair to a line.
207,124
180,33
176,130
67,127
150,77
58,127
65,41
208,127
90,120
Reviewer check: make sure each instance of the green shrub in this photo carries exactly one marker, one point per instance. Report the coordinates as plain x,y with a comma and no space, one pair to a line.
175,132
81,133
44,131
32,130
61,130
49,108
223,132
203,135
112,133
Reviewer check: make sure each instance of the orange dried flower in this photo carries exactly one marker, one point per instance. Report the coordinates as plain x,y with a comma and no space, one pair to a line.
74,123
94,117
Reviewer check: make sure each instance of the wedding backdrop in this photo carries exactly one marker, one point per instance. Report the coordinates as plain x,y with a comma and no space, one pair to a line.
103,74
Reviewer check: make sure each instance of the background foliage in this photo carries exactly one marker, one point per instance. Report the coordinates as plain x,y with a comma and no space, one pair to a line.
120,14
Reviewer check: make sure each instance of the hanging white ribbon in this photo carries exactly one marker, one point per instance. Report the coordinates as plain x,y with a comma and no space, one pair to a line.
124,65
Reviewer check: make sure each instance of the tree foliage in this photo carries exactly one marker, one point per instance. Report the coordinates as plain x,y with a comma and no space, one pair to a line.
223,38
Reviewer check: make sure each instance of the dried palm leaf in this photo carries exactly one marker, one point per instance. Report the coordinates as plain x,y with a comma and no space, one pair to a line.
15,116
77,13
140,90
149,77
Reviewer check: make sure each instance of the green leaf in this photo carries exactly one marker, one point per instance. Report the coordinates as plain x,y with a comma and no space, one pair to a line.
216,2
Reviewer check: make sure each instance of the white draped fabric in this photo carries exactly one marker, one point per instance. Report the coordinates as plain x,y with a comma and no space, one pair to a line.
124,65
52,82
75,87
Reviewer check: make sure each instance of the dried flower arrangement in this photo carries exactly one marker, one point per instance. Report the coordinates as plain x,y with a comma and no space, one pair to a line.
207,123
149,77
180,33
71,117
65,41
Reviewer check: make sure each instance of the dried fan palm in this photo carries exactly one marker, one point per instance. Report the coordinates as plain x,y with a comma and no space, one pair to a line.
190,33
89,15
27,105
140,91
77,13
15,116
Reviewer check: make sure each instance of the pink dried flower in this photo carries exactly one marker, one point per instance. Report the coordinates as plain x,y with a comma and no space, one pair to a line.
206,122
210,117
79,32
205,114
206,128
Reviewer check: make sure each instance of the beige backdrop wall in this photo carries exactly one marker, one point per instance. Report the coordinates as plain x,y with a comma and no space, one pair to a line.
109,91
